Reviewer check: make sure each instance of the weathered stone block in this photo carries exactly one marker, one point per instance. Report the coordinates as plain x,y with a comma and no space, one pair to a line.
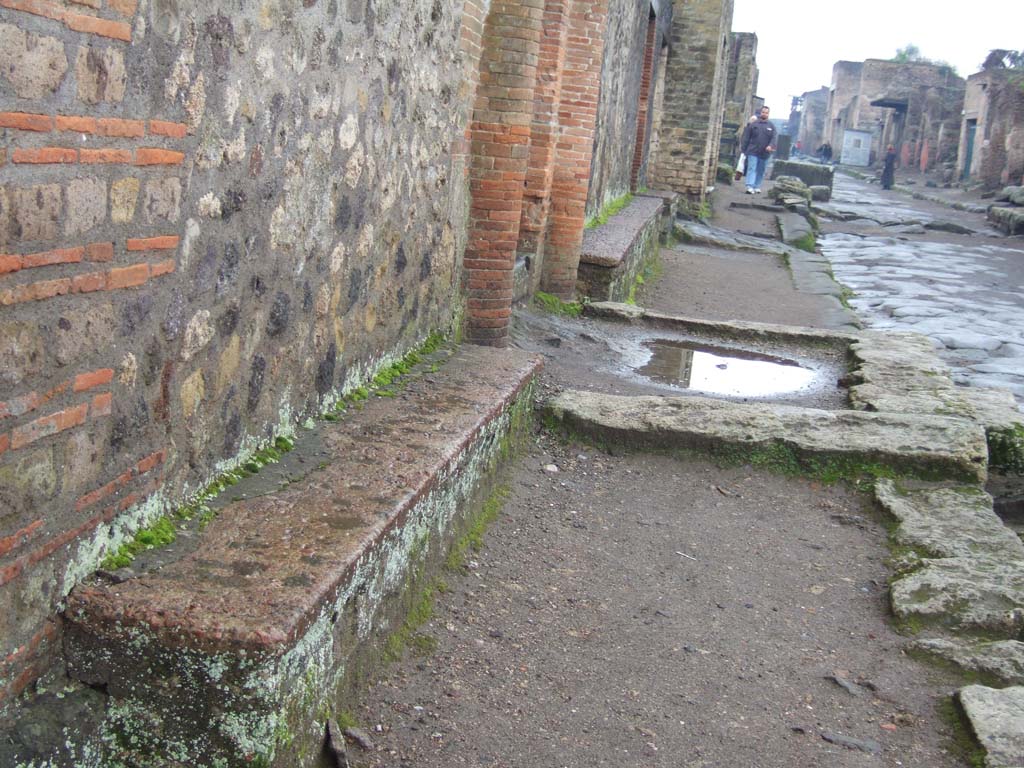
162,199
36,212
33,64
100,74
86,205
124,193
811,174
1010,220
997,719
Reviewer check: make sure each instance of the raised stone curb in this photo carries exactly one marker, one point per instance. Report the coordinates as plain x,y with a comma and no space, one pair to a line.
235,654
1001,660
793,228
949,522
997,717
917,445
978,595
740,331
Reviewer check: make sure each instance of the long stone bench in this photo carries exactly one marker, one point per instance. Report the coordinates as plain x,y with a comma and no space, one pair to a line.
238,653
615,253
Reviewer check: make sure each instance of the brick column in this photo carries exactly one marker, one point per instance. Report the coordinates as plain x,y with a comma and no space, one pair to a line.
694,88
646,76
577,114
499,144
543,135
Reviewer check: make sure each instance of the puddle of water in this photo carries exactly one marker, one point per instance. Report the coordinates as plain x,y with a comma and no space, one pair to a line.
724,371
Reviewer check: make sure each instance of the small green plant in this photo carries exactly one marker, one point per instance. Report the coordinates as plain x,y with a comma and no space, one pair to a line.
805,242
609,210
1006,449
159,534
554,305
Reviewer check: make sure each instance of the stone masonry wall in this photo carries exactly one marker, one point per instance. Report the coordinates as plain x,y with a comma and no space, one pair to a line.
618,108
212,217
995,99
742,78
812,120
693,94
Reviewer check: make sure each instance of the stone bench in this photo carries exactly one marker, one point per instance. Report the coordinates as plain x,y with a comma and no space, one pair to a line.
615,253
237,653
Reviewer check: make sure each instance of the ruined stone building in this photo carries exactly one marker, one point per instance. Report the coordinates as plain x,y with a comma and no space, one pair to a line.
913,105
218,218
811,129
991,148
740,90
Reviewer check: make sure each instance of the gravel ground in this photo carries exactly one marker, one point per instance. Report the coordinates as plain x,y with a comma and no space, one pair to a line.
643,610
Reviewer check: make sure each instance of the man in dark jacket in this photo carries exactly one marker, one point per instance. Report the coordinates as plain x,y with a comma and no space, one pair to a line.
757,144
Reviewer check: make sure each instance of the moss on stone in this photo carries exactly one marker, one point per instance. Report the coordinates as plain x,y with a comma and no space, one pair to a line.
1006,449
805,242
609,210
962,741
554,305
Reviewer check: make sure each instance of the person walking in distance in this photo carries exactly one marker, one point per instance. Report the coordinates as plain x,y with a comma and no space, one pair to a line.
889,168
757,144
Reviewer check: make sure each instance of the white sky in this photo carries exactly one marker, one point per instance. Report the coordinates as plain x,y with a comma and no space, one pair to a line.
798,41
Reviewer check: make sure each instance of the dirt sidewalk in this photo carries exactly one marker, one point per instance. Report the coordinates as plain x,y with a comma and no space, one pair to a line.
639,610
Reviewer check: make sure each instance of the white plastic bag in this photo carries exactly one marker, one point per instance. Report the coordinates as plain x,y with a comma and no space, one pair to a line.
741,165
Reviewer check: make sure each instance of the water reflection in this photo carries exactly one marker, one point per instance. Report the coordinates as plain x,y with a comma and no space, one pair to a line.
723,371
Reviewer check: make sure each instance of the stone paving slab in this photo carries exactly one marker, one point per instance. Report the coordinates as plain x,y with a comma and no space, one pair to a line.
1001,660
231,653
949,522
980,595
997,717
606,245
929,446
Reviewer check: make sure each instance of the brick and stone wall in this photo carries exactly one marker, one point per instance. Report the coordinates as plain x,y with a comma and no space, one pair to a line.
740,86
618,109
212,217
694,92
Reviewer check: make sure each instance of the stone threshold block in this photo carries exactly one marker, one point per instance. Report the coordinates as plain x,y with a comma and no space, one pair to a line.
924,446
239,652
615,253
997,717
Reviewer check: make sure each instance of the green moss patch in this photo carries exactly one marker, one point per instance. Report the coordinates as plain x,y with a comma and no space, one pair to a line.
609,210
555,306
1006,449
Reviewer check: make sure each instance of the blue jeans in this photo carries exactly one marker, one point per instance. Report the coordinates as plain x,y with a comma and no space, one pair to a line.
755,171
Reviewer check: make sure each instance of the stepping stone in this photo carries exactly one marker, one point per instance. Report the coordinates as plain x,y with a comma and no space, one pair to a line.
997,717
243,647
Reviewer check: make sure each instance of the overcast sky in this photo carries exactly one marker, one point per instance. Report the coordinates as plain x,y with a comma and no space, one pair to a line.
798,41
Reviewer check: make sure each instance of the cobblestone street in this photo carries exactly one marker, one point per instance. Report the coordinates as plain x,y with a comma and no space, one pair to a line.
964,291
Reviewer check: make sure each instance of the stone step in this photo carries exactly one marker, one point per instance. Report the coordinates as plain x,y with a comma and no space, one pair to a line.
239,650
997,718
927,446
